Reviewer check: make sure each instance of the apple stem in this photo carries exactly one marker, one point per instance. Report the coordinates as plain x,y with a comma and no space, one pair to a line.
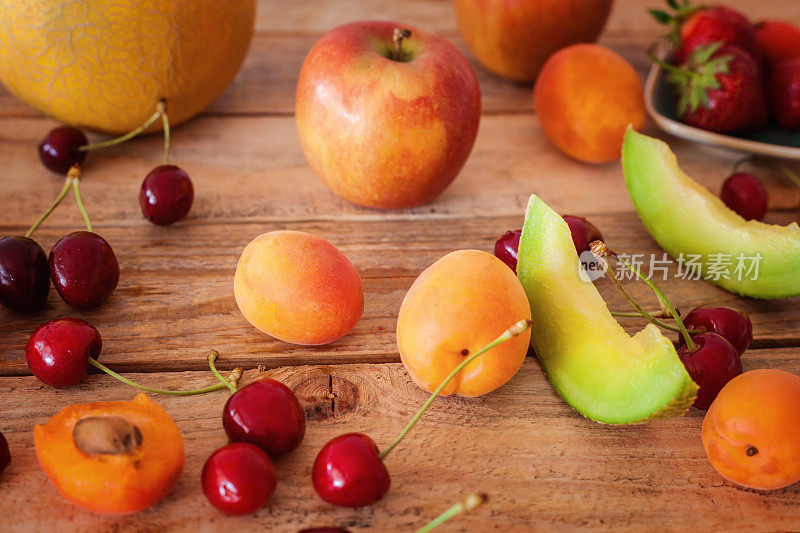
464,506
231,384
398,36
59,198
218,386
517,329
128,136
162,106
600,249
76,185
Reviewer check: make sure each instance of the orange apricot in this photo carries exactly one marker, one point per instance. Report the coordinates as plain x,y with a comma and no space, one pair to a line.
456,306
585,97
751,432
298,288
111,457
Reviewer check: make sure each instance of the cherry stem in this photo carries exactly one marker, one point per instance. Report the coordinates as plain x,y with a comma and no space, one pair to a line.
398,36
76,185
467,504
212,358
599,248
128,136
61,195
165,121
517,329
111,373
775,165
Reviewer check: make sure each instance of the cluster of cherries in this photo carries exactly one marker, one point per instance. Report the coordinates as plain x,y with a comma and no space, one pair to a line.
711,339
745,194
82,265
263,421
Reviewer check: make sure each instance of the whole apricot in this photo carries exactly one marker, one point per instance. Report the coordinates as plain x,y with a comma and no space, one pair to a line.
457,306
298,288
751,433
585,97
111,457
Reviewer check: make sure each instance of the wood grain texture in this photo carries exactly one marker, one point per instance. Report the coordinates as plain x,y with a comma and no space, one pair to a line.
542,464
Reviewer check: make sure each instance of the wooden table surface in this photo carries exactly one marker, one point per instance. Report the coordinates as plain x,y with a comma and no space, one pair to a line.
542,464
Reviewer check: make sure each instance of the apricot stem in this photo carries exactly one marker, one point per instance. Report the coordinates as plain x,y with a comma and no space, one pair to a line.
76,181
212,357
464,506
398,36
125,380
162,105
61,195
128,136
691,346
517,329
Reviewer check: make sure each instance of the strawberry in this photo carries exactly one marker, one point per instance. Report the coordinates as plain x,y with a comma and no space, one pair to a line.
778,40
784,93
694,26
719,88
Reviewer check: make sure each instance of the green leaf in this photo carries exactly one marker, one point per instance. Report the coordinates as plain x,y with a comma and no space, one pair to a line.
661,16
674,4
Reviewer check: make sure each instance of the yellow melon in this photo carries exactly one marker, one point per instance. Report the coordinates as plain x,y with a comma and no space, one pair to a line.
104,64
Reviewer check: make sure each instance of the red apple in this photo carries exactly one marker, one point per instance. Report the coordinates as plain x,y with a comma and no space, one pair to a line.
384,128
513,38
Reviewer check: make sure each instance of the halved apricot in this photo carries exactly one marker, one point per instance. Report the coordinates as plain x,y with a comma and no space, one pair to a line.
751,433
111,457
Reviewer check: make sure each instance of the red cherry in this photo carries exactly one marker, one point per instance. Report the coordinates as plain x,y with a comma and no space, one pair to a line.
5,455
712,365
166,196
507,247
84,269
746,195
348,472
265,413
58,151
24,275
238,478
784,93
732,324
58,351
583,232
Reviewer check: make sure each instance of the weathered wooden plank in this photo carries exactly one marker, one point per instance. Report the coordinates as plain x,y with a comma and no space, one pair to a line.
175,298
542,464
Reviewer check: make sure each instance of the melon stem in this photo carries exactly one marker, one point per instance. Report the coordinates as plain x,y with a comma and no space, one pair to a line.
517,329
464,506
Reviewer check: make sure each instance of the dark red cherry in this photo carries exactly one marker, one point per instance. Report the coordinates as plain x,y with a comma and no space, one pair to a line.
507,247
84,269
711,366
746,195
5,455
349,473
265,413
58,151
732,324
583,232
166,196
239,478
58,351
24,275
